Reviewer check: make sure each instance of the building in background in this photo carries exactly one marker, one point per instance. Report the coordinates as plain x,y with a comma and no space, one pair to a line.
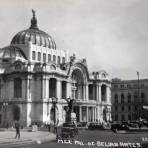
33,71
129,99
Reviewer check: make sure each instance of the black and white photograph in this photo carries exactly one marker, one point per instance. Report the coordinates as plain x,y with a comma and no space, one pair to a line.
73,73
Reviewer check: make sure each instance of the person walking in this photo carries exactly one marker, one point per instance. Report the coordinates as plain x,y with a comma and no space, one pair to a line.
17,127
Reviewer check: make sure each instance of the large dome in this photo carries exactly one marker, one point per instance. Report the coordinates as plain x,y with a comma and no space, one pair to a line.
35,35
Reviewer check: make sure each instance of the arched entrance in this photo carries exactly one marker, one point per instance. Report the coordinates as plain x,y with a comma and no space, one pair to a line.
16,113
78,78
77,84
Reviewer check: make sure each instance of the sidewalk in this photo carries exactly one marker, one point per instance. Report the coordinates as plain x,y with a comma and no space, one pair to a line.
39,137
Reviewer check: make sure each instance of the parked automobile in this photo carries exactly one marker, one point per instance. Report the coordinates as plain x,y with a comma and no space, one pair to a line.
134,124
119,126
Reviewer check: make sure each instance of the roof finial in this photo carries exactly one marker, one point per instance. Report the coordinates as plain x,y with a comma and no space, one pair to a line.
33,21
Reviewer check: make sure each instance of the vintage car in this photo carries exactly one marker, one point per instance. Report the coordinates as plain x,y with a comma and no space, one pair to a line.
119,126
68,132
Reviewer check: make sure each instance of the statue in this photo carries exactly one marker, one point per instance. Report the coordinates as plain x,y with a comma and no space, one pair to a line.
33,11
70,104
69,111
33,21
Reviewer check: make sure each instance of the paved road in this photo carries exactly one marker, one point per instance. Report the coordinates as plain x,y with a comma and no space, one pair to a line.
97,139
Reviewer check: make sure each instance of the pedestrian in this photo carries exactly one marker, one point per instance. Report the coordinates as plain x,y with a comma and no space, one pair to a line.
49,126
17,127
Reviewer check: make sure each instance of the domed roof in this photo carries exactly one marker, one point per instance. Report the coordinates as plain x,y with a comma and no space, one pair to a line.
11,52
35,35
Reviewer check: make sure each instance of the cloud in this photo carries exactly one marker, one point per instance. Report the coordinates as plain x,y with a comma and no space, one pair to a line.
112,34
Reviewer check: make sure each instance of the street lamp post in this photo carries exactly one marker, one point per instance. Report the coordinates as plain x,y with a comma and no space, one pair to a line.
139,96
54,102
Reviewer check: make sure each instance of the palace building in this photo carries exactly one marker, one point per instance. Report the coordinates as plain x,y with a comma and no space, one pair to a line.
33,72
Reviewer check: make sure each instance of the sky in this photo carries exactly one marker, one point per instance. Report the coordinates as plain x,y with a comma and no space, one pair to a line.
111,34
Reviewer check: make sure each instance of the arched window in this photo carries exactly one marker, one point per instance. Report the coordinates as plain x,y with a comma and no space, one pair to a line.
39,56
33,55
122,98
59,59
49,58
54,58
17,88
44,57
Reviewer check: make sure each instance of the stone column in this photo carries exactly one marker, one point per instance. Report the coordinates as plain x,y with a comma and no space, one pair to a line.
23,88
93,114
100,99
97,93
28,89
84,92
93,92
80,113
58,88
44,113
43,88
47,88
108,94
96,114
28,98
87,92
86,113
28,114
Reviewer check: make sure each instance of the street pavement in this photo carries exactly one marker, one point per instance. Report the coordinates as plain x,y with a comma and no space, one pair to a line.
99,139
7,138
85,139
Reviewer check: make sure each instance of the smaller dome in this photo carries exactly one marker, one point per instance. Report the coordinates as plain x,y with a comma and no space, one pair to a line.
11,52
